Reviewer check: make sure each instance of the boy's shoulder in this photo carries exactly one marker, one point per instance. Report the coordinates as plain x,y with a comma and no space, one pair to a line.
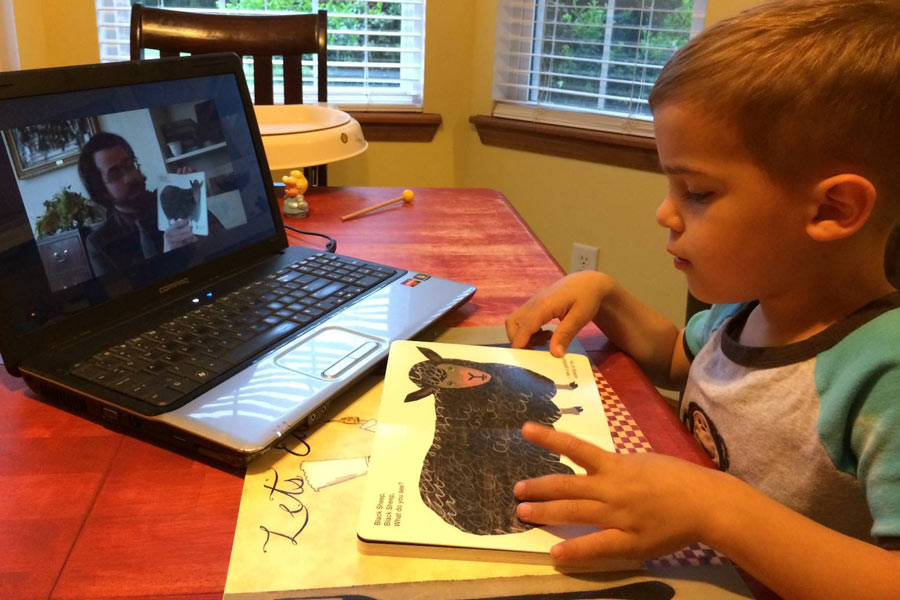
703,324
870,334
857,381
860,374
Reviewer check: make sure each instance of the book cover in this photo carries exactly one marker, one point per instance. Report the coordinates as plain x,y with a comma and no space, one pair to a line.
449,450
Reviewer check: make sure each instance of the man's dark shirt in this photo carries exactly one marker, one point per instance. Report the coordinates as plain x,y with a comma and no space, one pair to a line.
115,246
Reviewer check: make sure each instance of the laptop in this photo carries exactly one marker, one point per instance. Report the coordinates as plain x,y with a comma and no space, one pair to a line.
150,283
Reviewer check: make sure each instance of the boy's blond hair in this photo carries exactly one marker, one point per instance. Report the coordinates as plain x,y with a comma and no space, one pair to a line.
810,86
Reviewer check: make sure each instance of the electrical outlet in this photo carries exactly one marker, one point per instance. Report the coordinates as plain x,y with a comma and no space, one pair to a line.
584,258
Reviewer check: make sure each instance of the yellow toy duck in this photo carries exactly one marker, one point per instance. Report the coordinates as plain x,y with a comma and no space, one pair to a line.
295,186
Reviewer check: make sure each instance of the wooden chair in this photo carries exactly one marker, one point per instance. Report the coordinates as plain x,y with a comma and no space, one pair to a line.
174,32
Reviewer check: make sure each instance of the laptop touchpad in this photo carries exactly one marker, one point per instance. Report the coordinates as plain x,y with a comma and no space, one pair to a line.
328,353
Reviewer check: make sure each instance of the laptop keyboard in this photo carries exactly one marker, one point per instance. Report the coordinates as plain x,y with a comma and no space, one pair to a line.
161,365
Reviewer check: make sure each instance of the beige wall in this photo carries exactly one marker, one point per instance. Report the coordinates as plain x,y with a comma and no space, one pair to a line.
563,200
449,59
53,33
719,9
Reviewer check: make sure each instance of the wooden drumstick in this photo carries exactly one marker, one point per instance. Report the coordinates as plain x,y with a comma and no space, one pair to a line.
406,197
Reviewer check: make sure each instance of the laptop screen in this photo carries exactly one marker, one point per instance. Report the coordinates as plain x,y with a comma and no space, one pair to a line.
111,190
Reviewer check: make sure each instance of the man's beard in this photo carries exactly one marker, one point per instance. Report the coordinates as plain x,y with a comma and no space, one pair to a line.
138,198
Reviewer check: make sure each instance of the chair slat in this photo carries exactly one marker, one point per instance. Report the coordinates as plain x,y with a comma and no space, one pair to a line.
262,80
293,80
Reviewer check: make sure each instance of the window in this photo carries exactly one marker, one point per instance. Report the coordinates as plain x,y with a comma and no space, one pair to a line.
587,63
375,49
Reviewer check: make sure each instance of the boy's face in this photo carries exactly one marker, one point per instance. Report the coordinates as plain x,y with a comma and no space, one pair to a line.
735,234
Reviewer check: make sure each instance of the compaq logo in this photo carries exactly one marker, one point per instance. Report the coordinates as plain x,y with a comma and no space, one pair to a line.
174,284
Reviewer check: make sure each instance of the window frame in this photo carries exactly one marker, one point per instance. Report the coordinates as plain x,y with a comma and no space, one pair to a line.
551,125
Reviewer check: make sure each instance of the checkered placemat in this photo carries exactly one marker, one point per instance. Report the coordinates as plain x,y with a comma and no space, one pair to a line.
629,439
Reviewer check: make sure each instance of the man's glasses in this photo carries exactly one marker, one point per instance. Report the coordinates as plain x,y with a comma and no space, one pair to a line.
119,172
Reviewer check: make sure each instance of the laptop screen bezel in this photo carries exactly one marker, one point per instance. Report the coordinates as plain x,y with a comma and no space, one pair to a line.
23,84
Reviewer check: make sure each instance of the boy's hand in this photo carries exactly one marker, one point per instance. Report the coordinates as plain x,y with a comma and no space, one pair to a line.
647,505
574,300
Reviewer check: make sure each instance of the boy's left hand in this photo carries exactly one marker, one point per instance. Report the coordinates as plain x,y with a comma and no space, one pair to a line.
647,505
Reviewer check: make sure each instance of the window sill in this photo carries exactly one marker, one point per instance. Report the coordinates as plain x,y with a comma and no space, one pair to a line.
397,126
620,150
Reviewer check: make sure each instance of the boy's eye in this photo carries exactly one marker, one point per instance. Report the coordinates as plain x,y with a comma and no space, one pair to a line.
696,196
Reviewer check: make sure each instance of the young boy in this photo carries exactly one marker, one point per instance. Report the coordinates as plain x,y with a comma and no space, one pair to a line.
778,132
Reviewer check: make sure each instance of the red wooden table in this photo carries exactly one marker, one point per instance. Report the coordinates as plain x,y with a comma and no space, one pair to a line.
86,512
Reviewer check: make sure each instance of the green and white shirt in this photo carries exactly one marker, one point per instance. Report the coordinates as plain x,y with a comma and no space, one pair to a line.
815,424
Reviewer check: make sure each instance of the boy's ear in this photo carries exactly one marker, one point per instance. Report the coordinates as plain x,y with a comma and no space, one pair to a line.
843,204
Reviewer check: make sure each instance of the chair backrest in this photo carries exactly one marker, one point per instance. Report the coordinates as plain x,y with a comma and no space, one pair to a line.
260,36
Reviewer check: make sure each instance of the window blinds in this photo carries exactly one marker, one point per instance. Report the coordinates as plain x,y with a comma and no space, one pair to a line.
587,63
375,49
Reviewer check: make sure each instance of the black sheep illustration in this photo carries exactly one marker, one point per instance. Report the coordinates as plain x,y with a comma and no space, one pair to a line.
181,203
478,453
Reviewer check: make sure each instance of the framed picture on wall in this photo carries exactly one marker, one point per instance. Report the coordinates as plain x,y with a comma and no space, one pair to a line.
42,147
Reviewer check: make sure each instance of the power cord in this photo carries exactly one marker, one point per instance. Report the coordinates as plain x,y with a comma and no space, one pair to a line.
331,246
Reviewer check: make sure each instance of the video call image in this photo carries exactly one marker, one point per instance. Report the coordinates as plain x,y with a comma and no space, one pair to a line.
104,194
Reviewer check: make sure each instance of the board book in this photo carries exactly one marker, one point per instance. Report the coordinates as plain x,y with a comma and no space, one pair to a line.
448,451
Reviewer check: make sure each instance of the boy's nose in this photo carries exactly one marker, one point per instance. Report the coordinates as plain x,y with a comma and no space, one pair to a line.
667,216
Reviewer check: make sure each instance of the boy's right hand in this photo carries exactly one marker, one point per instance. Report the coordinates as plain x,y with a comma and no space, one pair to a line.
644,504
574,300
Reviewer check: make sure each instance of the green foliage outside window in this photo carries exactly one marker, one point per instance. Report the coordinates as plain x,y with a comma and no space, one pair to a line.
575,57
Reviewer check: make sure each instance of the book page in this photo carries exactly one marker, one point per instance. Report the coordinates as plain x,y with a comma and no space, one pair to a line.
449,449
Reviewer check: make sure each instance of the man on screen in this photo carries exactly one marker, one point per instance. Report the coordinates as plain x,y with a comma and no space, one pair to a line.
112,176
